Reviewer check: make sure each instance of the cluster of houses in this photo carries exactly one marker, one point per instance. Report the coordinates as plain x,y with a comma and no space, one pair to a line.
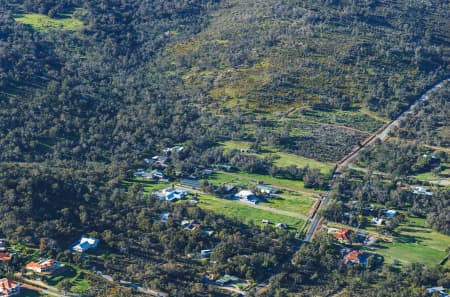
250,197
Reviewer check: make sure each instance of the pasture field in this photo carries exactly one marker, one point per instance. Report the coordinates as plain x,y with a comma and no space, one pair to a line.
281,159
246,213
415,241
43,23
291,201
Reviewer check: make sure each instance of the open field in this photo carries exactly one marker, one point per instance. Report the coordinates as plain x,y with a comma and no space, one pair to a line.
415,242
351,119
291,201
235,209
244,178
281,159
149,186
43,23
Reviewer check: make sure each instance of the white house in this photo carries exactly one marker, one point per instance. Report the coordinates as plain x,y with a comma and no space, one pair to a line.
390,213
247,196
171,194
421,191
84,244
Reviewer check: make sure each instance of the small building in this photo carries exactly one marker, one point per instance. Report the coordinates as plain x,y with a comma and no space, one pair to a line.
9,287
377,221
421,191
440,290
225,167
164,217
3,245
157,174
84,244
247,195
265,222
266,189
227,280
190,225
205,253
207,171
343,235
390,213
355,257
44,266
4,256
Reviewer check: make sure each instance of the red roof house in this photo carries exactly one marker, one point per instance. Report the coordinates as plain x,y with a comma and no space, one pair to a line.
343,234
8,287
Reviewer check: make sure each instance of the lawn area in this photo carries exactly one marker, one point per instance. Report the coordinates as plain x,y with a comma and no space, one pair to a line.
281,159
149,186
416,242
430,176
291,201
245,213
43,23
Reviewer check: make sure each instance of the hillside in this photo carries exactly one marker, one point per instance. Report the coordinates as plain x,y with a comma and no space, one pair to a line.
296,75
200,144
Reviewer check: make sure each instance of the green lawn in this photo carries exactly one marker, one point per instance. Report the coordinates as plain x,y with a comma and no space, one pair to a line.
43,23
291,201
245,213
148,185
430,176
416,242
281,159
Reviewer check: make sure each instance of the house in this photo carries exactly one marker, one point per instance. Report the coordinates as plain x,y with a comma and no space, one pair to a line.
171,194
44,266
227,280
190,225
343,235
177,149
390,213
157,174
355,257
159,161
247,196
421,191
164,217
84,244
266,189
265,222
377,221
225,167
205,253
207,171
3,245
9,287
440,290
5,256
190,182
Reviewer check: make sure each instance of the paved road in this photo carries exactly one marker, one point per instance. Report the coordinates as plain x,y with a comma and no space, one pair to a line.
381,135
